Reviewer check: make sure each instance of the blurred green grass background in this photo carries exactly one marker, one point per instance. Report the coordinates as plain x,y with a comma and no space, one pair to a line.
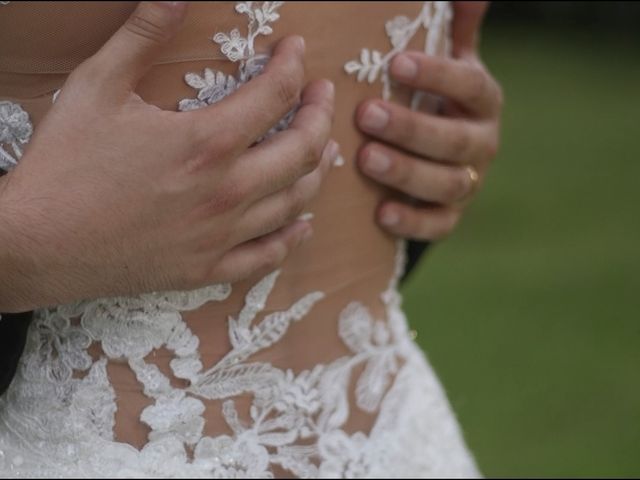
530,312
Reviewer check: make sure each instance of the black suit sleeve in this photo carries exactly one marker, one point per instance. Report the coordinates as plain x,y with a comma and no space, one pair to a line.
415,250
13,335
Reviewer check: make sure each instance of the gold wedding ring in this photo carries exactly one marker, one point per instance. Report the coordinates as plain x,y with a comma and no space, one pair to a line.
474,178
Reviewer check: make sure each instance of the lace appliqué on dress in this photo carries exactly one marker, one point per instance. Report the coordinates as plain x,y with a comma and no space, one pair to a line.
15,133
374,65
58,416
214,85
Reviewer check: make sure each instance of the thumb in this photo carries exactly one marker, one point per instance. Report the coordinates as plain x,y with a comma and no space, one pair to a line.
130,52
467,18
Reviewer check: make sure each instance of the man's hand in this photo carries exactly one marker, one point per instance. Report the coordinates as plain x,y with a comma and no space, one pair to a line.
438,160
115,196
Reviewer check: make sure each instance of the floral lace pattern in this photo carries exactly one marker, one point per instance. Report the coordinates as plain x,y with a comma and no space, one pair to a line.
213,85
434,18
58,416
15,132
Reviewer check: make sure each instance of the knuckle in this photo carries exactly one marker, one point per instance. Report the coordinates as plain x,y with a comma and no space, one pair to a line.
296,202
309,150
459,141
198,162
288,87
313,186
226,198
315,147
149,23
403,127
214,241
218,146
438,71
477,85
320,130
401,172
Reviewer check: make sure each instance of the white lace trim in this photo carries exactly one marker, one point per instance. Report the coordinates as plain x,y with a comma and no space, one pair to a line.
58,417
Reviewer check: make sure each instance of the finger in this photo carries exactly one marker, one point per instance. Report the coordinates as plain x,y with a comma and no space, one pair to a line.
130,52
465,29
252,110
418,223
417,177
467,83
282,159
440,138
285,206
262,255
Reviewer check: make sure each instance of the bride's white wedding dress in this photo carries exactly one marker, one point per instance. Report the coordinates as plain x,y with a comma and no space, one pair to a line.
307,372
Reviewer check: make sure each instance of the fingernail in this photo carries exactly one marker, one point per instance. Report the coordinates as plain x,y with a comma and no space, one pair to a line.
404,66
330,87
390,217
331,150
174,4
301,44
306,217
377,161
375,118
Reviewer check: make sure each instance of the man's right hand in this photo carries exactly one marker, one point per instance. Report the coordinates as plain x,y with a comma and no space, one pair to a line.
116,197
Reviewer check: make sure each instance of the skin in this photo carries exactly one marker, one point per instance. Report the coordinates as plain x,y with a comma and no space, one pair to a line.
438,161
209,206
200,217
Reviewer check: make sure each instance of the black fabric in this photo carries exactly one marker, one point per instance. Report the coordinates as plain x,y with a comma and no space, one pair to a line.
13,335
415,250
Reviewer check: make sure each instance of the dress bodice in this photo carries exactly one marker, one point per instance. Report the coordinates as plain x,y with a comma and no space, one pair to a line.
309,371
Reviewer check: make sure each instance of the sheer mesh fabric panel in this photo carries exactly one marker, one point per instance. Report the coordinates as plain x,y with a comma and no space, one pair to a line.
348,259
55,37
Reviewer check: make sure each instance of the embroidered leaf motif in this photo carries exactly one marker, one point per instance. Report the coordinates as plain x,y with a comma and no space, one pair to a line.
296,460
273,327
374,381
256,299
334,388
278,439
369,67
230,415
355,327
236,380
401,30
